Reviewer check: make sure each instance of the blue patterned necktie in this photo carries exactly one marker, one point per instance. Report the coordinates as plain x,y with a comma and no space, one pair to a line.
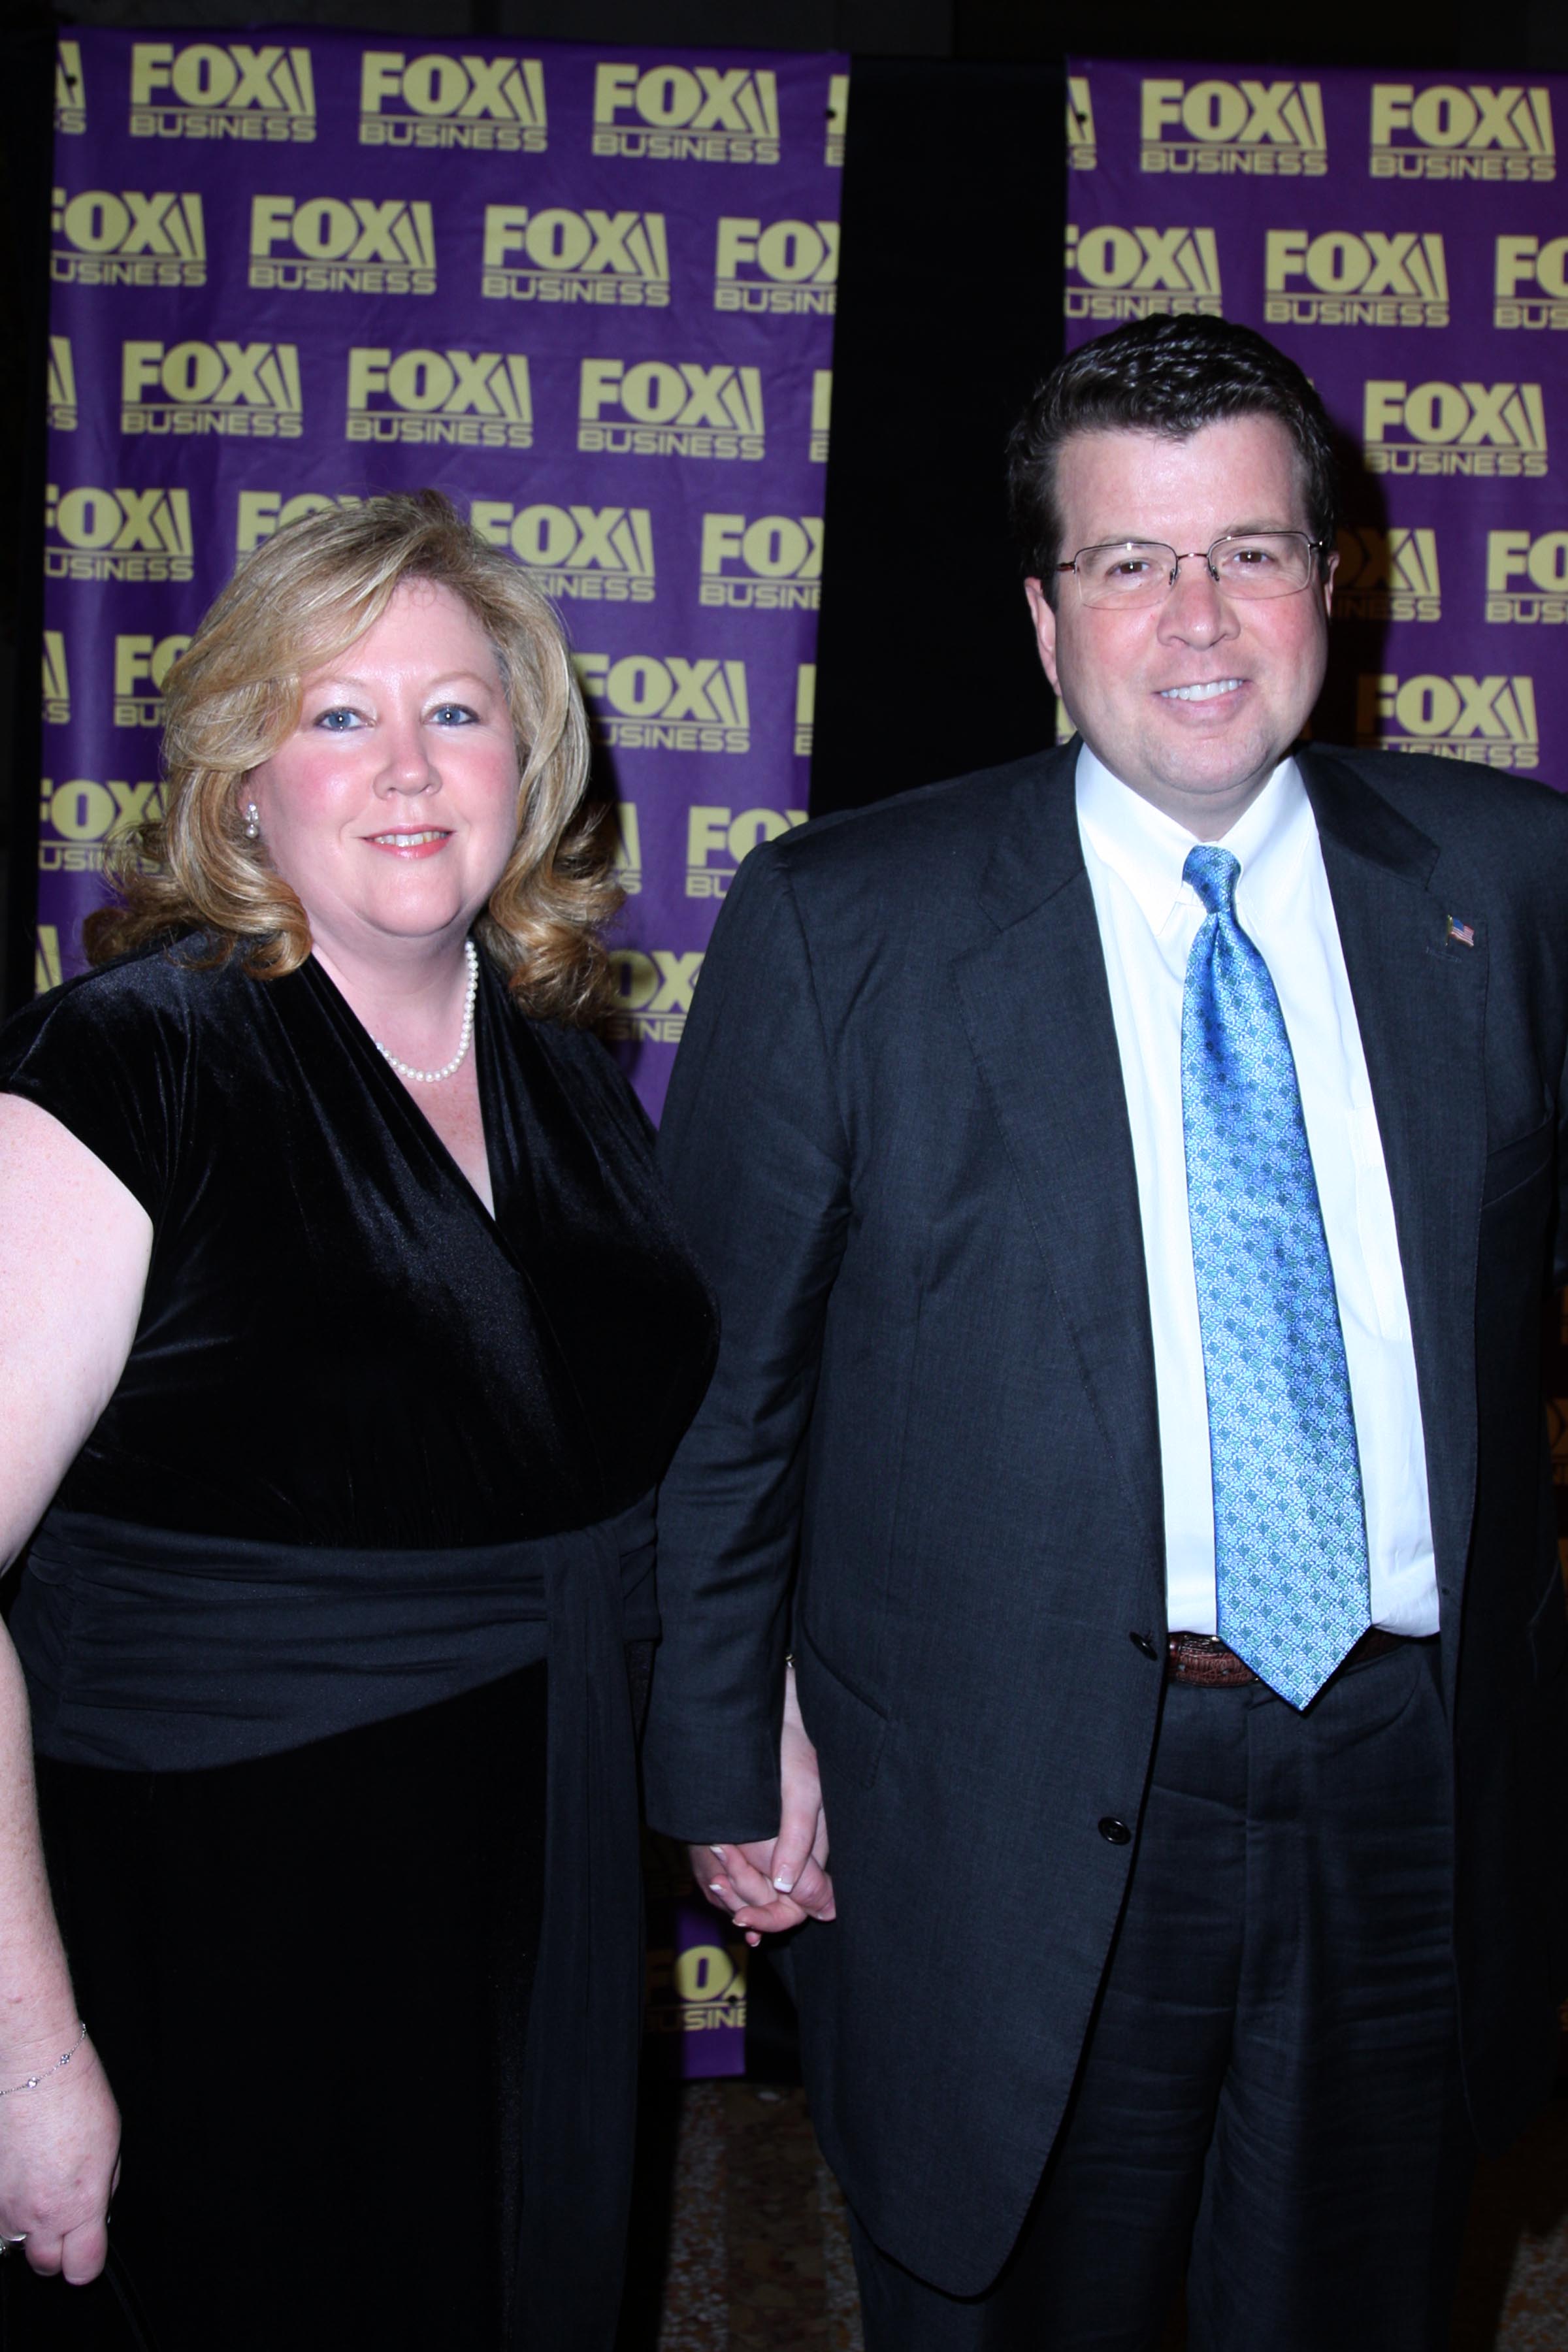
1290,1561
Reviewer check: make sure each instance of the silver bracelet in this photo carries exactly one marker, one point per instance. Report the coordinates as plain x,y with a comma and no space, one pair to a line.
62,2060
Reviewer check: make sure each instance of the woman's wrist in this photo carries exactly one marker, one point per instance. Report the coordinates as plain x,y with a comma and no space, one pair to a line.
33,2032
47,2073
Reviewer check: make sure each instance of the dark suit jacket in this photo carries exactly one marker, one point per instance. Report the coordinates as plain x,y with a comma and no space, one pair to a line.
928,1460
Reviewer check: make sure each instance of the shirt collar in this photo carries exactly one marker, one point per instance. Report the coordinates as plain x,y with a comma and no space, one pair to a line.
1147,849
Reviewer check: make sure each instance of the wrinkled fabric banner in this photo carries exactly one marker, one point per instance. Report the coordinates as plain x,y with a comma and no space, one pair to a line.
586,291
1404,237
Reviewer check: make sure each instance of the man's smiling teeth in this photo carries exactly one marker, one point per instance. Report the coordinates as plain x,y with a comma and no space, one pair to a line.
409,840
1199,693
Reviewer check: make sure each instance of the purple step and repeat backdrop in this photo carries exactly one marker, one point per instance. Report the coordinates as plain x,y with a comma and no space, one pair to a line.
589,294
1406,239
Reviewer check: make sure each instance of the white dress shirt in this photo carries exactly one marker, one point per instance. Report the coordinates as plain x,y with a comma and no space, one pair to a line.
1148,919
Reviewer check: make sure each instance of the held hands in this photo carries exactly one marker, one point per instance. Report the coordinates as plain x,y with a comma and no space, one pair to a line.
59,2164
775,1883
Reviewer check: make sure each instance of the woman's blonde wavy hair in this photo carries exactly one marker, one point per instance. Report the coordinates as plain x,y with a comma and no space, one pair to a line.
233,696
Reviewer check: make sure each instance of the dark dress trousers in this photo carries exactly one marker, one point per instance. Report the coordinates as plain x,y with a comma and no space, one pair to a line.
928,1460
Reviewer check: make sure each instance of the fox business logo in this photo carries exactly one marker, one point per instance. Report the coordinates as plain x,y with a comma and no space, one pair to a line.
48,970
76,817
789,264
1527,576
124,238
777,562
805,708
261,512
821,415
1141,273
696,1991
345,245
70,90
244,390
474,400
627,846
670,409
441,100
653,991
62,400
717,838
1490,720
1082,153
1387,575
601,555
1524,261
141,666
208,91
56,680
837,120
1449,132
1273,129
557,255
640,704
92,534
687,114
1342,278
1454,428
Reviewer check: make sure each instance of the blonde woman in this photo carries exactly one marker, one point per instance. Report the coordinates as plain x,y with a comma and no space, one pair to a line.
341,1329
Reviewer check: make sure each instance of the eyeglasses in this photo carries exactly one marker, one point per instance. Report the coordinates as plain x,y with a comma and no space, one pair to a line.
1240,563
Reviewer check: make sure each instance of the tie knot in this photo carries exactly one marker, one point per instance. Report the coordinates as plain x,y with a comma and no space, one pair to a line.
1213,872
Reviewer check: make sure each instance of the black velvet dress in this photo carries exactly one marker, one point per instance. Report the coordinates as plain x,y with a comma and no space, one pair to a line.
325,1642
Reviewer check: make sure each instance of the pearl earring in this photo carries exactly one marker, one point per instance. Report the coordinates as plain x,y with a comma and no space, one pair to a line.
252,822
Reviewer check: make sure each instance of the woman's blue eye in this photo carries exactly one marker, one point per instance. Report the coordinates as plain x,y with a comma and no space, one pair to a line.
341,721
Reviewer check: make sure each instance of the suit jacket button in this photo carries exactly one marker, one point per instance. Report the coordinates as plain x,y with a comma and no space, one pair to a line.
1141,1641
1115,1833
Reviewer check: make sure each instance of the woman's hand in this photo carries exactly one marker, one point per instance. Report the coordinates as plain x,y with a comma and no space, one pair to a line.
60,2158
775,1883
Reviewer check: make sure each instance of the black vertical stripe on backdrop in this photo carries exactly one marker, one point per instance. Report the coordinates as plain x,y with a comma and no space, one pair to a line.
949,309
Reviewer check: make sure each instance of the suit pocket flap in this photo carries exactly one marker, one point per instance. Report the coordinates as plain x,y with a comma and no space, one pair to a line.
1516,1163
1549,1630
845,1729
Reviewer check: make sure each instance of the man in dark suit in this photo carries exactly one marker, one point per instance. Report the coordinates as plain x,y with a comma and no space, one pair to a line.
1132,1178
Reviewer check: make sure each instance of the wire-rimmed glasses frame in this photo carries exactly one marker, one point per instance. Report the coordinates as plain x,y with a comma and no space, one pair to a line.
1252,563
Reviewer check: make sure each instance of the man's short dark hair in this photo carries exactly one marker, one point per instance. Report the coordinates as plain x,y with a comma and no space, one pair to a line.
1161,375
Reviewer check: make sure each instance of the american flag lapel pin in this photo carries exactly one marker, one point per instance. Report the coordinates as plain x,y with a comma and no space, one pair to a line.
1463,932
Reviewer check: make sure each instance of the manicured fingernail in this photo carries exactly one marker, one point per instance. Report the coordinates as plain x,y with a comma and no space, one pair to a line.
784,1884
715,1887
720,1852
753,1939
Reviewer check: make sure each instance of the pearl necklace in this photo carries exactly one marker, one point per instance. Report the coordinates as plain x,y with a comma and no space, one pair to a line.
430,1078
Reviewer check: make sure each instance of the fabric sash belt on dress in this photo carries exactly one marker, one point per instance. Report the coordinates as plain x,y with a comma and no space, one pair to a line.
193,1653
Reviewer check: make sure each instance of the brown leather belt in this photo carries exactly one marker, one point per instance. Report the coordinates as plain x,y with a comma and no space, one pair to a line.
1204,1659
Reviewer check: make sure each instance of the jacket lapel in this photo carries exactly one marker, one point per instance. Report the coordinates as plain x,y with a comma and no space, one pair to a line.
1420,1000
1036,1006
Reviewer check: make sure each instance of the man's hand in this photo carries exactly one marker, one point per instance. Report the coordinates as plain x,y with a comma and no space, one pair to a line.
776,1882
